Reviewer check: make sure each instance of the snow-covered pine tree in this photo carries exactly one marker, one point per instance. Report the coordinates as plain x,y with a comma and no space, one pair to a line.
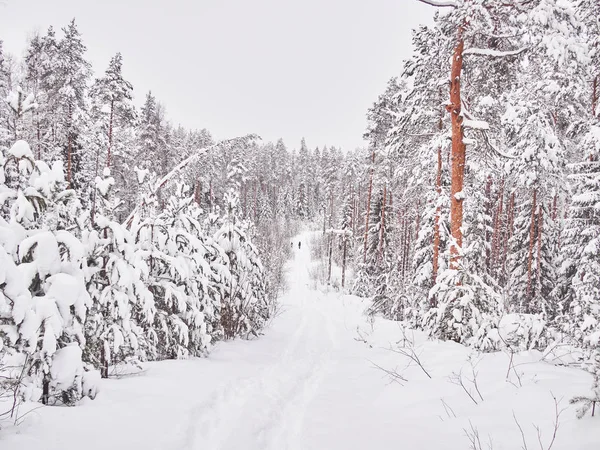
71,75
52,266
122,306
5,137
112,115
246,306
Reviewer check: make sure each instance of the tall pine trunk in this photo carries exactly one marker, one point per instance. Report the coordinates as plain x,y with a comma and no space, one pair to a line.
369,205
344,253
458,154
436,223
69,163
539,247
510,225
382,229
39,139
497,231
595,89
531,246
330,240
69,148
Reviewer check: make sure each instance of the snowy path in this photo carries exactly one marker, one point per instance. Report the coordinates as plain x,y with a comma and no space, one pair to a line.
310,383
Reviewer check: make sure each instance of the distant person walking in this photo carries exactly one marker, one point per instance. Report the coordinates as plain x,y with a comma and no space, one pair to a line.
299,244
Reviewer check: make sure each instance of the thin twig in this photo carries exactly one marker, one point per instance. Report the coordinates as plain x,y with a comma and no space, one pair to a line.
394,376
522,433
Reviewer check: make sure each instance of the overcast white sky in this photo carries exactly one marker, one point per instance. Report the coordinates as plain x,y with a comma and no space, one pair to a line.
273,67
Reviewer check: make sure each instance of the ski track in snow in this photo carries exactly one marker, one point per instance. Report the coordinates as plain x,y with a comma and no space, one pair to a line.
269,409
310,382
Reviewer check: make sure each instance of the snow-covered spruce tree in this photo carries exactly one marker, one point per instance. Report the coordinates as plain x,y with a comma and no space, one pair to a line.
531,262
467,300
467,309
245,307
346,226
577,289
431,244
580,272
373,274
301,208
536,129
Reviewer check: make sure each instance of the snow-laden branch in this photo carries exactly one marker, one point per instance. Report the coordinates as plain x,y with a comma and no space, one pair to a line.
343,232
493,53
441,3
182,165
476,124
193,158
483,127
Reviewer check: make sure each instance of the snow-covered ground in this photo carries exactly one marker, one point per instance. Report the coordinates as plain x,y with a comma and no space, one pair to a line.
312,382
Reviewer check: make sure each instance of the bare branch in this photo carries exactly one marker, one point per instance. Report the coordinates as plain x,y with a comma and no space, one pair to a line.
456,378
394,376
475,439
522,433
448,408
412,355
557,414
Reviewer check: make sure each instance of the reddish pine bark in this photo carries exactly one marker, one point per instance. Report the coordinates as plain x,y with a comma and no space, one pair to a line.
69,148
368,205
531,244
245,200
382,230
510,220
210,195
407,236
488,212
497,232
539,245
344,253
594,95
458,154
436,223
355,210
401,238
330,234
69,151
197,192
39,139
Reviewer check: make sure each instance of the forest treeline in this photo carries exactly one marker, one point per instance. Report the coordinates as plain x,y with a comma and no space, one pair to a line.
473,214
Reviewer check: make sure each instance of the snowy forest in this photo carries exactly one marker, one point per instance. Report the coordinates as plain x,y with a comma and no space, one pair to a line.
472,215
